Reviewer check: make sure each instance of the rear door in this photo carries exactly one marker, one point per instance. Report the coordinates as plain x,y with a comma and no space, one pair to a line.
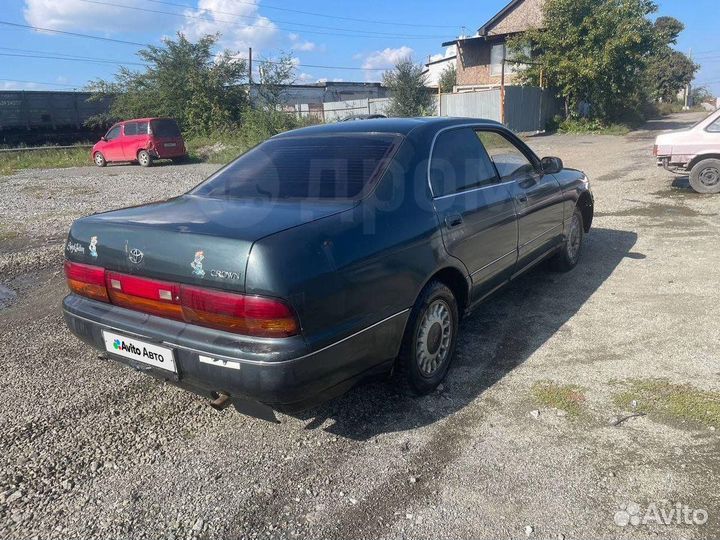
538,196
476,210
113,149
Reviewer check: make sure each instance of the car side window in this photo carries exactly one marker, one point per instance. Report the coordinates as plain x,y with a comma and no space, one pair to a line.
714,127
511,163
142,128
459,162
131,129
114,133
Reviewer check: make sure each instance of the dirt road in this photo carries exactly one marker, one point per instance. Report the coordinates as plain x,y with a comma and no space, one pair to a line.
521,440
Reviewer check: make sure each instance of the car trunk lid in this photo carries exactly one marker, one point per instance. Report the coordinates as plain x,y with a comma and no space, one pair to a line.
188,239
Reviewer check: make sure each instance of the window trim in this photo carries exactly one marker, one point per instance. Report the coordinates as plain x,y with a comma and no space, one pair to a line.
121,131
503,132
711,124
497,179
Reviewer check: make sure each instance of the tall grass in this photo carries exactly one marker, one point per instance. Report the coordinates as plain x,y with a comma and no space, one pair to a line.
44,159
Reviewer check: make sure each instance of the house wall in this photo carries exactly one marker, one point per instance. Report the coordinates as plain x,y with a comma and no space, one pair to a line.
474,65
526,15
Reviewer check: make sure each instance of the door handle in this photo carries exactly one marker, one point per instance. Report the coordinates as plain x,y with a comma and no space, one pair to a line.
453,220
522,198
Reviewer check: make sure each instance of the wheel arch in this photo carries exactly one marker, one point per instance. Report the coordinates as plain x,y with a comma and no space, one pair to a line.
587,209
455,280
701,157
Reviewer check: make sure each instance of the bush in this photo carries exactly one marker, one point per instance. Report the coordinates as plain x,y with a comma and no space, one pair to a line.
586,125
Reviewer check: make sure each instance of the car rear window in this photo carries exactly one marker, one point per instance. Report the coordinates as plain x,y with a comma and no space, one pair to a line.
165,128
317,167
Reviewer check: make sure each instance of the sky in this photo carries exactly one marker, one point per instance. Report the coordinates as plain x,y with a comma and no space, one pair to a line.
345,40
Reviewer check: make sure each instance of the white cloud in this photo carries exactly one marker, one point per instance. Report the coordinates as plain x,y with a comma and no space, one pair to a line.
77,15
380,60
386,58
245,28
19,85
450,51
303,46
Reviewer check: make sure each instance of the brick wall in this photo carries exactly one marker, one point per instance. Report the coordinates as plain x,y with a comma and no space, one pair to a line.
473,66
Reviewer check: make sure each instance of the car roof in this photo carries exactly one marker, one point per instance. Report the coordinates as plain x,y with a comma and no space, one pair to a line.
388,125
145,119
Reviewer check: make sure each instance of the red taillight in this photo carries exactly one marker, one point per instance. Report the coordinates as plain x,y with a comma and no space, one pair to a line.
86,280
239,313
655,150
253,315
143,294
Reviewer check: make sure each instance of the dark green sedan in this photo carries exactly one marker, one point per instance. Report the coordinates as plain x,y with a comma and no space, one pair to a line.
322,256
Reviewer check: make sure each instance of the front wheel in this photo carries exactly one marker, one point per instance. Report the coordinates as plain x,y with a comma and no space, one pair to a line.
99,159
705,176
567,258
144,158
430,337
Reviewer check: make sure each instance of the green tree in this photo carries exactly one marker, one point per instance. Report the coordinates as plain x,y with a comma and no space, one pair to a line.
668,70
668,73
701,94
594,51
448,79
408,94
188,81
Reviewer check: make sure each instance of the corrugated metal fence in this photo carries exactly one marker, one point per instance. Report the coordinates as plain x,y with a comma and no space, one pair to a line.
527,108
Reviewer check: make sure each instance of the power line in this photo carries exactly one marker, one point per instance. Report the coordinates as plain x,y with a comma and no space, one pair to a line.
363,33
64,56
71,59
315,14
41,83
74,34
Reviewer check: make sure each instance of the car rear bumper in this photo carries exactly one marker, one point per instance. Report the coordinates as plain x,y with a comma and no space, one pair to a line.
281,373
166,153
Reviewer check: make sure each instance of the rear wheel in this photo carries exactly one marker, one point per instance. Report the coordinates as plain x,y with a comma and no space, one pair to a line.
430,337
705,176
99,159
144,158
567,258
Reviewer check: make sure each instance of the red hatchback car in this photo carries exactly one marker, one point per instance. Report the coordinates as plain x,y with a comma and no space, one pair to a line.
141,140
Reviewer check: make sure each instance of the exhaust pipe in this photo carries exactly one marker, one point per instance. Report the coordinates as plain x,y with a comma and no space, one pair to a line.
220,400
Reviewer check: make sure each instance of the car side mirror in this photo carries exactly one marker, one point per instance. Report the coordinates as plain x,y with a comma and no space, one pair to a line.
551,165
103,139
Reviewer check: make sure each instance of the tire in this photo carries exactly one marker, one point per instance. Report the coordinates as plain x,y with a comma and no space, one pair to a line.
705,176
99,159
429,341
567,258
144,158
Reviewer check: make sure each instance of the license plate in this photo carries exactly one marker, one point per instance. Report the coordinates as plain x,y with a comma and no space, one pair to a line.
141,351
170,145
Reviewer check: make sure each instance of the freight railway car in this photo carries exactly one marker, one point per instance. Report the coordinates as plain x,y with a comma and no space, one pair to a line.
47,117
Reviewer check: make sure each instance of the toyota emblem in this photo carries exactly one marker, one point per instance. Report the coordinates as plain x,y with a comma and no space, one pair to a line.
136,256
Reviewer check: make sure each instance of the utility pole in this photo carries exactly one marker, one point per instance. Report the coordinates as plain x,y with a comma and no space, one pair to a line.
250,65
250,81
502,90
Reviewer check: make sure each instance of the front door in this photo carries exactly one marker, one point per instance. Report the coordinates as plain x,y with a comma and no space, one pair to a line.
538,197
476,211
113,149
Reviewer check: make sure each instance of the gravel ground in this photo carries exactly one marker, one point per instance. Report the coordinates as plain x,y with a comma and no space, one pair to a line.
90,449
